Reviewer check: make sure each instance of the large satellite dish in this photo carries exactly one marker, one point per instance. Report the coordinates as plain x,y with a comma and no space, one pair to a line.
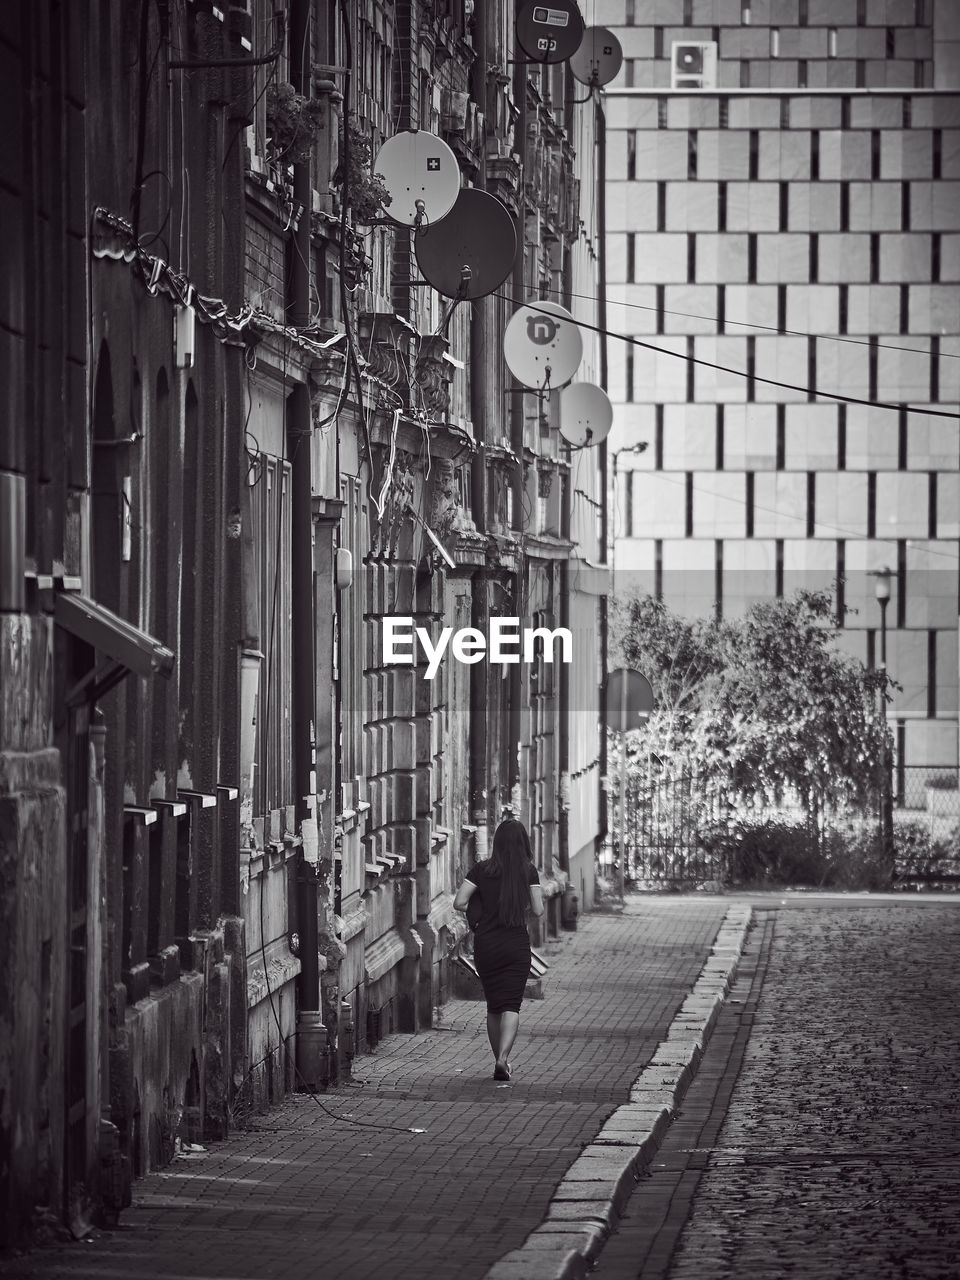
586,414
471,252
422,175
599,57
542,345
549,32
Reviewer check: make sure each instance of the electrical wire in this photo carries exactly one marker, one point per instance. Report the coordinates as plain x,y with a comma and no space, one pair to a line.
755,377
256,462
761,328
274,70
344,203
145,76
380,502
159,276
305,1084
145,239
183,246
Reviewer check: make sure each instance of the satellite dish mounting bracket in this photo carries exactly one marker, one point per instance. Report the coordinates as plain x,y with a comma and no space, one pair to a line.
466,275
587,444
594,90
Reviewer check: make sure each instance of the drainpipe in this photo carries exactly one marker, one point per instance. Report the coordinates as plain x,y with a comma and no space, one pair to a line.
311,1033
564,479
563,708
516,429
601,145
516,399
480,588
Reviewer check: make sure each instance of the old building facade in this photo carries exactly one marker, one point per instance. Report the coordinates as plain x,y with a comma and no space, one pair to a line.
242,432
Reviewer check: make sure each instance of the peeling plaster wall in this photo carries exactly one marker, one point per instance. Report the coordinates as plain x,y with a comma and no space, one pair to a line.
33,933
270,983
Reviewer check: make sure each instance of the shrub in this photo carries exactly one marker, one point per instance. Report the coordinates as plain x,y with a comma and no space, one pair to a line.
855,860
919,856
765,853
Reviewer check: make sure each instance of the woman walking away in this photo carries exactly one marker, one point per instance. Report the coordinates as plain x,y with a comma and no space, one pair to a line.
509,887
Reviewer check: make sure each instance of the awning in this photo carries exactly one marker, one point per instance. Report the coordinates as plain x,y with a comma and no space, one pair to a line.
124,646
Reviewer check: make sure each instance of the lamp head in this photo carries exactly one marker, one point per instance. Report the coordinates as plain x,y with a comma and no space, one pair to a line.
639,446
882,586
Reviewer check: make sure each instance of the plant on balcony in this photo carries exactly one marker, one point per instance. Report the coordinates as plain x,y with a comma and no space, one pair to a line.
364,191
294,123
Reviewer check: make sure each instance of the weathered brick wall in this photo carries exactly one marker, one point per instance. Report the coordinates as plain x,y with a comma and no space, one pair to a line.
264,257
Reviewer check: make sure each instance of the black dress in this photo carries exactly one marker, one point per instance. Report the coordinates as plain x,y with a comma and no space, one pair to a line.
500,952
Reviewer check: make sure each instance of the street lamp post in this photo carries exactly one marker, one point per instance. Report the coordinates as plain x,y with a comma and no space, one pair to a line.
639,446
882,591
883,599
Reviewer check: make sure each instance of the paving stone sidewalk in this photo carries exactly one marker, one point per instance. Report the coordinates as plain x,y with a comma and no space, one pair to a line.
337,1186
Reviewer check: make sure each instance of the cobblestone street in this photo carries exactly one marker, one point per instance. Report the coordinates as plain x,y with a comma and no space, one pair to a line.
840,1149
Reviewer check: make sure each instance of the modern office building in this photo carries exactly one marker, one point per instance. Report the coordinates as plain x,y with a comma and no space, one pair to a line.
783,223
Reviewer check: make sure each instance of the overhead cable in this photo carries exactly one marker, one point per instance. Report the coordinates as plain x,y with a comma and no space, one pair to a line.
761,328
753,377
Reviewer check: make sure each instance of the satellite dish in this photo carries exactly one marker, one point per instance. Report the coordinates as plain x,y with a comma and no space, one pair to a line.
471,252
542,345
549,32
586,414
422,175
599,57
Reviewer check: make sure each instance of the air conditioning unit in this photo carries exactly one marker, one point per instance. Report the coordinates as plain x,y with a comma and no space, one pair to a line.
693,64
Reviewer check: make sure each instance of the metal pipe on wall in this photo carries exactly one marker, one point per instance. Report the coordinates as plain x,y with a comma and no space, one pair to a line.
311,1035
482,326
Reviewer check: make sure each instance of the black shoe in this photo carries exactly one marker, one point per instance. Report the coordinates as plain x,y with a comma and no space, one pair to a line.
501,1073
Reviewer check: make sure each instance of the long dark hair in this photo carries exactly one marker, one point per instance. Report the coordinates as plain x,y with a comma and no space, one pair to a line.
511,861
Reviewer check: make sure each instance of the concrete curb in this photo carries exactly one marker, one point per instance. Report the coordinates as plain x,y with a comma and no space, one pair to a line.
592,1193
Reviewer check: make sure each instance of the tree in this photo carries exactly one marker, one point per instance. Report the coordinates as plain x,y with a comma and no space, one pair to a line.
767,705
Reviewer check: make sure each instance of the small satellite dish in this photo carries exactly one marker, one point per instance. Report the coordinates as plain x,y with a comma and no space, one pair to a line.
549,32
422,175
599,57
542,345
471,252
586,414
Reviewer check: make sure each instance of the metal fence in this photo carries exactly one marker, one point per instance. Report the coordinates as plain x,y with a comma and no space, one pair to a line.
929,794
680,828
926,824
667,817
